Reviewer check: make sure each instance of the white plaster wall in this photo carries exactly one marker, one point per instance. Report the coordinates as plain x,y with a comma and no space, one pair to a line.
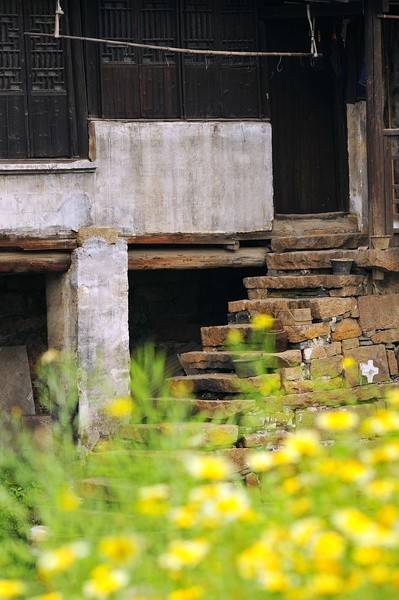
357,151
184,176
150,177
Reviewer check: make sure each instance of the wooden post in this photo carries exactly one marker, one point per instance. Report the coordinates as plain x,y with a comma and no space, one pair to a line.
379,213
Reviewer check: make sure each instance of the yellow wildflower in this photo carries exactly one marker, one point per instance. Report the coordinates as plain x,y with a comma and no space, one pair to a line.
183,517
299,507
337,420
234,337
153,499
366,555
304,530
328,545
184,553
352,470
388,515
193,593
214,468
383,421
60,559
105,581
381,488
11,588
392,397
361,529
291,485
120,408
348,363
302,444
253,561
262,322
326,584
49,596
260,462
50,357
119,548
67,500
274,581
379,574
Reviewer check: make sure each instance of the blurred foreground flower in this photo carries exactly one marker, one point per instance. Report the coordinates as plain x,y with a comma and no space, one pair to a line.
60,559
105,581
119,549
214,468
11,588
120,408
262,322
184,553
337,420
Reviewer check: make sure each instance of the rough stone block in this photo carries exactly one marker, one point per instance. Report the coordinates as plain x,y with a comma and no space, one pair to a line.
291,374
265,439
350,344
379,312
296,316
16,387
300,282
313,385
323,350
346,329
385,337
307,418
268,306
392,363
326,367
362,355
301,333
348,290
327,308
336,397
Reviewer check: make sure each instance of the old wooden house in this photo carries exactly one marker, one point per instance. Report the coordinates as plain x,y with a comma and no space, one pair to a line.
139,187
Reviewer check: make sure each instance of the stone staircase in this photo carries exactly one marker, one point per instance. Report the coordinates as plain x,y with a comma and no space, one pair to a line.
317,324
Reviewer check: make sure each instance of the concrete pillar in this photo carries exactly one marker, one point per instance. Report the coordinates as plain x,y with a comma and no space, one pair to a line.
88,316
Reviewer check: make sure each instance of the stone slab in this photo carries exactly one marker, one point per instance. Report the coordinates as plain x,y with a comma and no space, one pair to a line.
16,386
324,350
350,344
302,281
317,242
346,329
337,397
350,290
326,367
269,306
362,355
328,308
392,363
301,333
379,312
388,336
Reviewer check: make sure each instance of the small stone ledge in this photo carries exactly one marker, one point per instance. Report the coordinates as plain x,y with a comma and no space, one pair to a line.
45,167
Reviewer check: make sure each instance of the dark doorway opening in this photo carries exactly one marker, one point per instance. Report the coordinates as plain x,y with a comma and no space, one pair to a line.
168,308
308,112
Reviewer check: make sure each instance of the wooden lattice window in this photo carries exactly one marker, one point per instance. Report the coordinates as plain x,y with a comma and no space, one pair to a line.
151,84
35,107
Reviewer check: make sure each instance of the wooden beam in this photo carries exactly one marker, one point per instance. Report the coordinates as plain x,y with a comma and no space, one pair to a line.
34,262
379,213
145,260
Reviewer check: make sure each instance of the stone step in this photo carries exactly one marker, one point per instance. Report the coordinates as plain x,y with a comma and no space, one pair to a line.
208,409
195,363
217,336
320,308
259,288
213,383
188,435
302,282
318,242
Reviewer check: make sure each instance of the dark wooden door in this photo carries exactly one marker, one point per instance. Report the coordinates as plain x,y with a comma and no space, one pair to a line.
36,104
310,163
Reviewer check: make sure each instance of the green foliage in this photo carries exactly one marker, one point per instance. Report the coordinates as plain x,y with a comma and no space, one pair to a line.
156,512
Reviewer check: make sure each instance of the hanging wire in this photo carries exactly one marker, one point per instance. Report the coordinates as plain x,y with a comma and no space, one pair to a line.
312,24
58,14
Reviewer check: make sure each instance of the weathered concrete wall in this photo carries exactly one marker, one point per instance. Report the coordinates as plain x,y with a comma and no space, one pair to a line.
357,150
184,177
88,314
152,177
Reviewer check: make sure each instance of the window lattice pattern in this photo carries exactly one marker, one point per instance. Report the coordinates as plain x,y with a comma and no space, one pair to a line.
47,56
10,47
